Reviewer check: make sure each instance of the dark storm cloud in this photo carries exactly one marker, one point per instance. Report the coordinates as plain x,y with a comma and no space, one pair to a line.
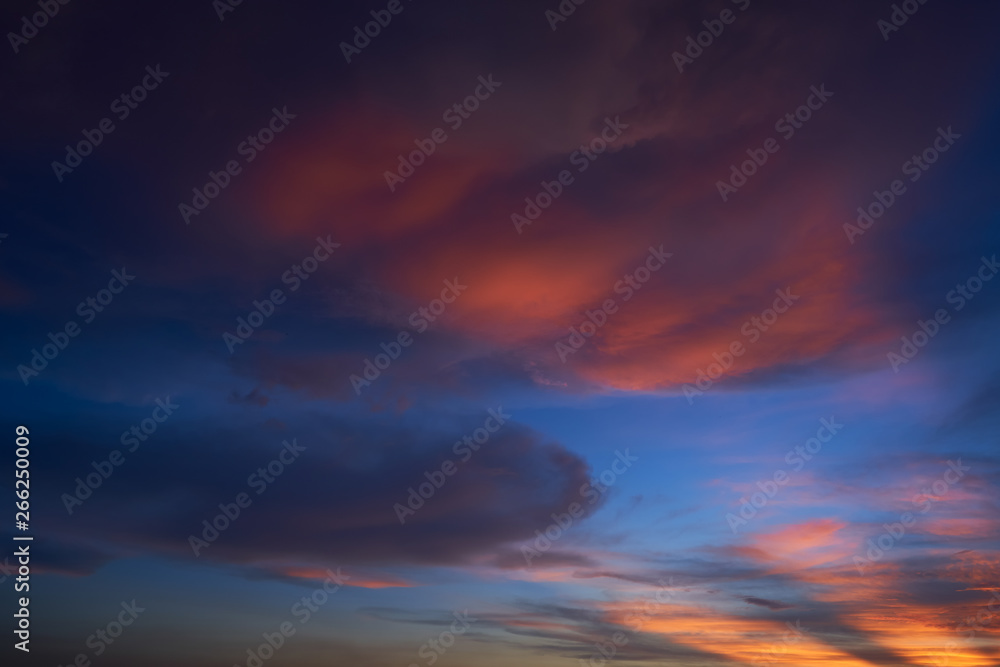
334,503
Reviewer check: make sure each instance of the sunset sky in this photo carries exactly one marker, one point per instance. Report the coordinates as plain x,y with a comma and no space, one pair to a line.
521,331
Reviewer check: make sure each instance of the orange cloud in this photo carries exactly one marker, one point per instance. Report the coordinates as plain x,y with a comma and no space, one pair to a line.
353,580
742,640
452,218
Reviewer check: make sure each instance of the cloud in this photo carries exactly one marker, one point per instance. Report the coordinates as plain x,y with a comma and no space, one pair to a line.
338,503
767,604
